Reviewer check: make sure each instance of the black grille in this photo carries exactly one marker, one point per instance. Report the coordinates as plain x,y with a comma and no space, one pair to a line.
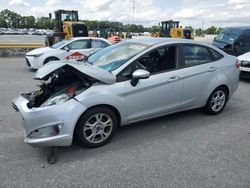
245,64
15,107
27,61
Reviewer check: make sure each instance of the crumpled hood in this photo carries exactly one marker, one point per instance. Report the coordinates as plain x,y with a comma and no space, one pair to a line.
40,50
244,57
85,68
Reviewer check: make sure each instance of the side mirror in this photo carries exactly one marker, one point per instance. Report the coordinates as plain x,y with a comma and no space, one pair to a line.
139,74
66,48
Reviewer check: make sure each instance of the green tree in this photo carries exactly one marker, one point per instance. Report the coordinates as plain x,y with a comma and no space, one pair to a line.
155,29
211,30
11,18
28,22
45,23
198,32
3,23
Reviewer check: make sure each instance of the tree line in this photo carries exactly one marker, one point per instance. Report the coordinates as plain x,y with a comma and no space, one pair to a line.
10,19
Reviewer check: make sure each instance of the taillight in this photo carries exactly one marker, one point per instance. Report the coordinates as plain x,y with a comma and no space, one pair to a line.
237,64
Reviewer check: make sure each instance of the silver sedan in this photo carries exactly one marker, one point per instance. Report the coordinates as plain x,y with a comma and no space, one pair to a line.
122,84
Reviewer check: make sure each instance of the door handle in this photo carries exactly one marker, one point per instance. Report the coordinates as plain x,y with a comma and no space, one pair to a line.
212,69
172,79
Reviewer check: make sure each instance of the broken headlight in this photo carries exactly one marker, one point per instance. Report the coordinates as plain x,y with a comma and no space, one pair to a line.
59,99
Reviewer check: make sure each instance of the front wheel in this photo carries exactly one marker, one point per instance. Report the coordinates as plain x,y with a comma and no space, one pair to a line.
96,127
216,101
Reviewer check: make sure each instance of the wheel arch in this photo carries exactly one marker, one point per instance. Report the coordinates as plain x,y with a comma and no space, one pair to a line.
226,87
50,57
222,85
115,110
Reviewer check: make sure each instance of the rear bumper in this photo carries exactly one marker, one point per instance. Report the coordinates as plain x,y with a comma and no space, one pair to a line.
63,117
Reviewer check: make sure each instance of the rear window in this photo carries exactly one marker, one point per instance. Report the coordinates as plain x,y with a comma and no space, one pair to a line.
216,55
195,55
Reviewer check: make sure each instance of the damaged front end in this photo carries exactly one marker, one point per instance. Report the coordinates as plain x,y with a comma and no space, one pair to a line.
58,87
50,113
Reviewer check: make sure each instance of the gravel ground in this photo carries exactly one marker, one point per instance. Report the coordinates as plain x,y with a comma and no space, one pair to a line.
188,149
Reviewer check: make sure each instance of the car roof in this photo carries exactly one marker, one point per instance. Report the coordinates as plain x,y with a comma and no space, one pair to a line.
164,40
77,38
238,27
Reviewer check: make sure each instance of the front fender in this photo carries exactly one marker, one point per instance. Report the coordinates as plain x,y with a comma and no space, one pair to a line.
105,95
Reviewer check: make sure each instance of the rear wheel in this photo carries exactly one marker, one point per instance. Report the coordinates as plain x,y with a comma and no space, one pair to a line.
216,101
96,127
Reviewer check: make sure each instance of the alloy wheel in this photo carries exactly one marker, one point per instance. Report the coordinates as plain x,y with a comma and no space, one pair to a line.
98,128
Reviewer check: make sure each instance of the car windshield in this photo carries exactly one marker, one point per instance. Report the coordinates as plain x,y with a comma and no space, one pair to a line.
112,57
227,37
60,44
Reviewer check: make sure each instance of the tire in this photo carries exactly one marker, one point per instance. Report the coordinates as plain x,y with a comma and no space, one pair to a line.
50,59
216,101
101,132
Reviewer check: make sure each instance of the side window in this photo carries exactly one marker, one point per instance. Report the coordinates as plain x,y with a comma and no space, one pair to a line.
98,44
216,55
195,55
159,60
79,44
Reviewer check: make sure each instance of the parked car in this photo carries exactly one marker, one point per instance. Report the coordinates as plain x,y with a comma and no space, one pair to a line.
234,40
72,49
245,65
125,83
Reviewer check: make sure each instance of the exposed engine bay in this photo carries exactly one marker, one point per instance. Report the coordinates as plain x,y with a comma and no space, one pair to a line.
59,86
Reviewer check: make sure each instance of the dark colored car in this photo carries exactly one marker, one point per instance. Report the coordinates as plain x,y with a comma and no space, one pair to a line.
234,40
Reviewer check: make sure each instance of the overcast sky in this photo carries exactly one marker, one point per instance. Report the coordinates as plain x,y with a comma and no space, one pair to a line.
220,13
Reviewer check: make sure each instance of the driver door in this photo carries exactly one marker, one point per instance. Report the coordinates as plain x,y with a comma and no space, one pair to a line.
158,94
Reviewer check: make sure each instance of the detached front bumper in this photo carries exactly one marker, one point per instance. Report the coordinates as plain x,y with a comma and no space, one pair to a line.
49,126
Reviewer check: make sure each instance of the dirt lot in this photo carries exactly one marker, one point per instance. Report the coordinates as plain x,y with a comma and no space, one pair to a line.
189,149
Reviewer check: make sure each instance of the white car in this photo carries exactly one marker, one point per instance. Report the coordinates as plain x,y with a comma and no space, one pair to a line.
72,49
245,65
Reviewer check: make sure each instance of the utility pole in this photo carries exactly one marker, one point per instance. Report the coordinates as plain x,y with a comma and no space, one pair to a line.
133,11
202,29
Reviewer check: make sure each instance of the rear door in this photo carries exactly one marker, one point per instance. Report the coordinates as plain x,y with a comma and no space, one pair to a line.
199,70
78,49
